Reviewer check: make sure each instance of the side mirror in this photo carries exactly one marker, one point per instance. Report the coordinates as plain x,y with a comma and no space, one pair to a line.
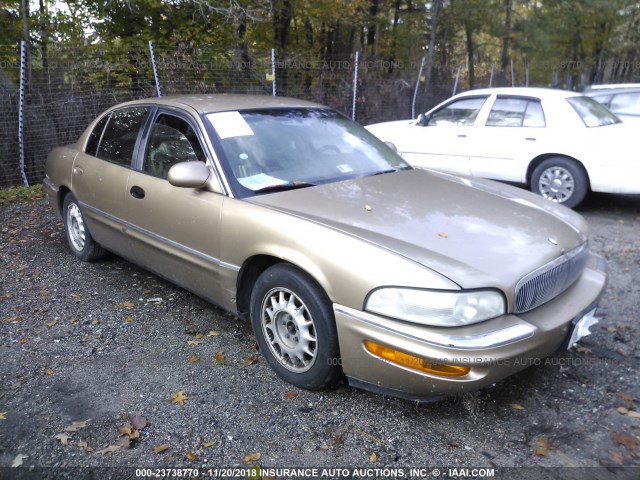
423,120
189,174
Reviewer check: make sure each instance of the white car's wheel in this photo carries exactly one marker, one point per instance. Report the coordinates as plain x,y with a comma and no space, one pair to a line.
294,324
560,180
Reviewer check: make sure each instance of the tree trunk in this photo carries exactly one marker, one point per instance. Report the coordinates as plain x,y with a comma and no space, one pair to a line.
504,58
470,54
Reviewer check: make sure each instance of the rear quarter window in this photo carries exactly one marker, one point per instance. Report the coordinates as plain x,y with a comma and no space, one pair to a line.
121,134
94,137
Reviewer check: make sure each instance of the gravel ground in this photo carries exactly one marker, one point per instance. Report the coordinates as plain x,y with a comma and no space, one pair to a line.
93,354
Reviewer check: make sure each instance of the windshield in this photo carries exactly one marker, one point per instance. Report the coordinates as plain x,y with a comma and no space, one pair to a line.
592,113
277,149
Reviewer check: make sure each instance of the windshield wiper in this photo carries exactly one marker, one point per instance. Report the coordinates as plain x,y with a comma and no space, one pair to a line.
283,187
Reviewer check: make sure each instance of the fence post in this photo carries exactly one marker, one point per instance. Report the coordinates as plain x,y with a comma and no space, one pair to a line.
23,59
155,70
512,75
355,86
455,85
415,92
273,71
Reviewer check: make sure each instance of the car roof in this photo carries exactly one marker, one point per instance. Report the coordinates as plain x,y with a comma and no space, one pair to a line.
616,86
601,90
536,92
221,102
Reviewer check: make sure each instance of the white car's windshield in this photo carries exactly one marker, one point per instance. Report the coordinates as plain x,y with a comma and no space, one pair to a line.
592,113
278,149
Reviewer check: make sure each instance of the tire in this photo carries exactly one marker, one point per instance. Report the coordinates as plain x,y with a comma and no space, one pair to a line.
560,180
293,321
77,233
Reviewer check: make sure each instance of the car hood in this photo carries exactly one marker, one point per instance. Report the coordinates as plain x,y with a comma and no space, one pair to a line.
476,233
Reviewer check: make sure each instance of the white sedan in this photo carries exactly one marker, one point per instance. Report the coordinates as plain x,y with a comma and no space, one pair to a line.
558,143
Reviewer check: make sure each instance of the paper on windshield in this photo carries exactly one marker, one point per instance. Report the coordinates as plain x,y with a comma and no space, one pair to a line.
229,124
261,180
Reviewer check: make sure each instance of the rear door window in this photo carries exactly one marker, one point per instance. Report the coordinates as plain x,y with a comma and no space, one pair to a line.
121,135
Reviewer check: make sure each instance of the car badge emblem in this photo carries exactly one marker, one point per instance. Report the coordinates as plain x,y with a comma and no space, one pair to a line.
552,241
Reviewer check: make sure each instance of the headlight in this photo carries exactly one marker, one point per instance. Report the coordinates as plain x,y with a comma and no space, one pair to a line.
437,308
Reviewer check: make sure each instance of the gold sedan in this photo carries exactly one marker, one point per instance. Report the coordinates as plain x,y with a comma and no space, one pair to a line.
346,260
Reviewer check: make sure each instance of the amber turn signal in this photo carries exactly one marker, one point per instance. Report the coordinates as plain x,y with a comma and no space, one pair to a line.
415,363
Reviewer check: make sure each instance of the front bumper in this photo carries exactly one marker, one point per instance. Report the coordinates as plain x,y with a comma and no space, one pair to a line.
492,350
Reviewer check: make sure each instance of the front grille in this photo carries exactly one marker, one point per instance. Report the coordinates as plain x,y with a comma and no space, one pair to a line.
550,280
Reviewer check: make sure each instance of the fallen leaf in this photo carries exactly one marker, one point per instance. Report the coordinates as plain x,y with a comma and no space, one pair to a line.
191,456
128,319
252,457
628,441
207,444
290,395
443,234
373,457
52,323
633,414
139,422
4,296
617,458
77,425
95,322
23,340
213,333
199,336
63,437
109,449
73,321
583,350
256,348
161,448
542,447
194,359
248,361
129,431
626,397
611,329
622,410
194,342
127,304
76,298
3,415
179,398
17,462
13,319
517,406
49,371
146,291
83,444
219,356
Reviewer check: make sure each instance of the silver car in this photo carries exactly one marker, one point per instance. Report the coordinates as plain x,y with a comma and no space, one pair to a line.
346,260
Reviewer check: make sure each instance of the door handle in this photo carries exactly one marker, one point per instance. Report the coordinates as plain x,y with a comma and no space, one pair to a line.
78,171
531,139
137,192
462,135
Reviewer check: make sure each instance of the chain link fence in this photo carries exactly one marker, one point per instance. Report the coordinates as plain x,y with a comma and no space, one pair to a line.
65,89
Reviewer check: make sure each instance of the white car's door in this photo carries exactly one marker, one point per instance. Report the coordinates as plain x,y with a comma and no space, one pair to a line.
444,142
512,134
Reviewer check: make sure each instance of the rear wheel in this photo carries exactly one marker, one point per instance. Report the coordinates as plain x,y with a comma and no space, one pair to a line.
560,180
78,237
294,324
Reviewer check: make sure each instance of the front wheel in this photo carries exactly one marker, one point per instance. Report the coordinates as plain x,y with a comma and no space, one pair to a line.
560,180
293,321
78,237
